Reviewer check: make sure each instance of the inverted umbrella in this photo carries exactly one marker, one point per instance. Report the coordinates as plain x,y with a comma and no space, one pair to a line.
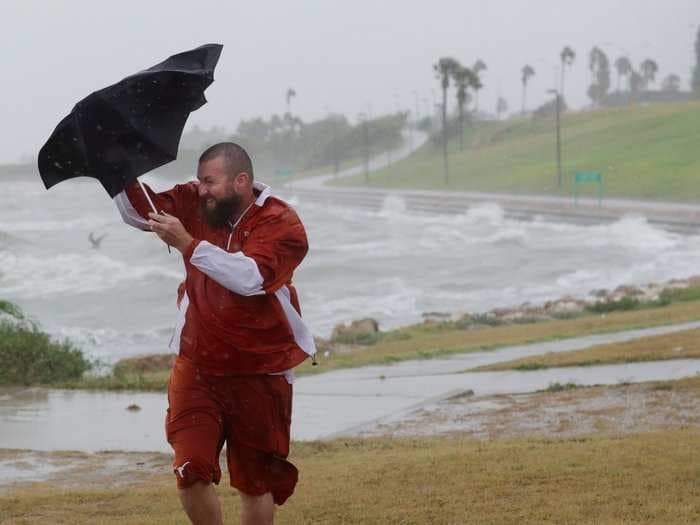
129,128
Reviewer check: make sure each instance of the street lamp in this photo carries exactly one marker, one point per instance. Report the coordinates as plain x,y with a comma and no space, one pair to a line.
558,111
362,117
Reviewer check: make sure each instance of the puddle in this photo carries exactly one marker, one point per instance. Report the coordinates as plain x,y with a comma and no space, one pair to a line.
324,405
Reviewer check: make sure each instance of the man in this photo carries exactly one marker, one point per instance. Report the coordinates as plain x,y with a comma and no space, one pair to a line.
239,332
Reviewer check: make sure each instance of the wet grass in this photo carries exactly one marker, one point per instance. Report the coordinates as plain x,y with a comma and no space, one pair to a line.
679,345
643,478
646,152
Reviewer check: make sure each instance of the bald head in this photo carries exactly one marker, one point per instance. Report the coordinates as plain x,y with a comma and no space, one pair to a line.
235,159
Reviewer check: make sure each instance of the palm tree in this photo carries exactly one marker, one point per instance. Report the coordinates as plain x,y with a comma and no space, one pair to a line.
477,68
444,69
648,68
624,68
464,79
567,56
290,93
527,72
636,82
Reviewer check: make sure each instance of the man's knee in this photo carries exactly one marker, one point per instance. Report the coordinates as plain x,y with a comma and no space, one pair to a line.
257,509
195,471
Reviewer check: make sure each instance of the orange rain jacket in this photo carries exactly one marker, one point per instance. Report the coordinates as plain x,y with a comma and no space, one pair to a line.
239,312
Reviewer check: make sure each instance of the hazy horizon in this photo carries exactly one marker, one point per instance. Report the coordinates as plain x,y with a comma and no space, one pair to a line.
338,57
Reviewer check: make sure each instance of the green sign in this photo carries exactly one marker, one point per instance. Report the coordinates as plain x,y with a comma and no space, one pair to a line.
588,176
583,177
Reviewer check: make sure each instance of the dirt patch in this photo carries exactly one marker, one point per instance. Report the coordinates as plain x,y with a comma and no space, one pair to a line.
78,469
621,409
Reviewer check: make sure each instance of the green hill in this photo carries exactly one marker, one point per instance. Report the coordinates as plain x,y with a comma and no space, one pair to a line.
649,152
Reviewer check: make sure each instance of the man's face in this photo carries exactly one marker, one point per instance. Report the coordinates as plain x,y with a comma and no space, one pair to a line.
218,199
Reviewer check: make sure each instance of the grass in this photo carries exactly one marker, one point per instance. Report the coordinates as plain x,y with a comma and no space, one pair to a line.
326,169
679,345
644,478
646,152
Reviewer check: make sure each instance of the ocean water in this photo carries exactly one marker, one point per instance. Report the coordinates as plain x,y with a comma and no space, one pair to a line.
391,264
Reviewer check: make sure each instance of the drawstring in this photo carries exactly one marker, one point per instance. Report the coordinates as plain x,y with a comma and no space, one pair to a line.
233,226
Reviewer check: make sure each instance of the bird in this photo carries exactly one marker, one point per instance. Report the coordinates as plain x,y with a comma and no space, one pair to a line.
96,241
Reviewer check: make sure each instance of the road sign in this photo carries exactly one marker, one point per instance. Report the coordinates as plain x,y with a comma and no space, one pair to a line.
584,177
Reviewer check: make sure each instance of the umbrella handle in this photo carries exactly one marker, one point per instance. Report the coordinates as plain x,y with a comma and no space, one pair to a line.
148,198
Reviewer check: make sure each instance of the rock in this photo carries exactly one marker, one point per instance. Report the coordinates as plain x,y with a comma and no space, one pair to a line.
565,305
133,408
677,284
436,316
147,363
328,348
361,326
628,291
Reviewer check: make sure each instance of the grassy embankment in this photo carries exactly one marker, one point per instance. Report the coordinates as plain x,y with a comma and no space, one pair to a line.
679,345
426,341
647,152
645,478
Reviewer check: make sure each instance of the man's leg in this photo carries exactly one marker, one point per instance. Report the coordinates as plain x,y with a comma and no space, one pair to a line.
257,510
201,504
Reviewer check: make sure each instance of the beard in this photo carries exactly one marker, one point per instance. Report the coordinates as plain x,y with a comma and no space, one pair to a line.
222,211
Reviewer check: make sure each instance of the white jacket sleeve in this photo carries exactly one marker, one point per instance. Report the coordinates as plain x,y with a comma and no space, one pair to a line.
234,271
129,213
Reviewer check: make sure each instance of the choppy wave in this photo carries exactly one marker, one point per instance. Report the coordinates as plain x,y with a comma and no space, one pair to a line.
87,223
107,345
30,276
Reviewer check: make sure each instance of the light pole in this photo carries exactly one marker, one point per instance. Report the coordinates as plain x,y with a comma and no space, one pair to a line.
558,111
365,138
334,126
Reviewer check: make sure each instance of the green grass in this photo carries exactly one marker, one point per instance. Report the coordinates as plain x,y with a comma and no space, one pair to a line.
643,152
678,345
602,480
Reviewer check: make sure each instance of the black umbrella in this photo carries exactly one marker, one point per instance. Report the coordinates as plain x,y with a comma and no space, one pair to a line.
131,127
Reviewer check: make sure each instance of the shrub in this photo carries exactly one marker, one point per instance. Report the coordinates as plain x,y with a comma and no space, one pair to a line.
560,387
604,307
11,309
28,356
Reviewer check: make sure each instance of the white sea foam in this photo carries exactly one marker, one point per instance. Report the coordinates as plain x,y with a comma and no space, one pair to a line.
87,223
30,276
108,345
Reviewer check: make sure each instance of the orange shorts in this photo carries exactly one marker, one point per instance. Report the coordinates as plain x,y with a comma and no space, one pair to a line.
251,414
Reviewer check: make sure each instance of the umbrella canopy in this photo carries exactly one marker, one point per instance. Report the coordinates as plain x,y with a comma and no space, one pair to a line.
127,129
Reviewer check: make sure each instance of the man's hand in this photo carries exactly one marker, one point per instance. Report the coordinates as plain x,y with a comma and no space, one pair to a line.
170,230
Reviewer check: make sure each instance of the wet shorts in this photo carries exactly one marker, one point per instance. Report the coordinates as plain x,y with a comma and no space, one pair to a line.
251,414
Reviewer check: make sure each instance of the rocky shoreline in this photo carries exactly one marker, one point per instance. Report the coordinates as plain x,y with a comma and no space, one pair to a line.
624,297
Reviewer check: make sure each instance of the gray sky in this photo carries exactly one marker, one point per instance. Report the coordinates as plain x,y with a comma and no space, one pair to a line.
349,57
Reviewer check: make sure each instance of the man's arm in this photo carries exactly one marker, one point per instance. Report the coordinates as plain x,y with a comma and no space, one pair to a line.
275,247
134,207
